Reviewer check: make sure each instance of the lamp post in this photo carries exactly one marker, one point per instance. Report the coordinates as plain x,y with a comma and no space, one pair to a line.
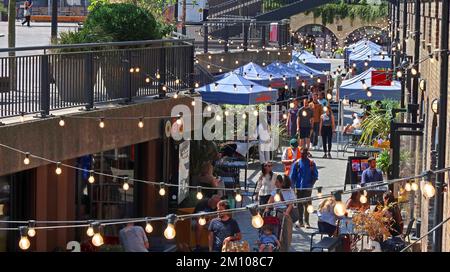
442,137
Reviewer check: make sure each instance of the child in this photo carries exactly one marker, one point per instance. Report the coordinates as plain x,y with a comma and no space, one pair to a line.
268,240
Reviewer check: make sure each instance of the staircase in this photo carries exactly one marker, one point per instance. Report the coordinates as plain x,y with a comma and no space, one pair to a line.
259,10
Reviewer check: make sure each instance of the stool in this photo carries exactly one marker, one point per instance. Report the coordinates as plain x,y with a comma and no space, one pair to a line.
327,244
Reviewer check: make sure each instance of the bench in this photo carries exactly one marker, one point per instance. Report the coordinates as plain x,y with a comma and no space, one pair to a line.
65,19
327,244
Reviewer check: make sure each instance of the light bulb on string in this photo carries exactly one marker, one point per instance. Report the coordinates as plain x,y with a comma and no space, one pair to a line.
221,59
428,190
24,242
226,113
244,116
26,160
414,71
177,81
303,83
220,70
61,121
369,93
199,193
414,186
238,196
363,199
125,185
329,96
325,108
399,74
141,122
285,116
304,113
193,103
291,105
148,226
179,120
319,191
196,85
91,178
286,87
318,80
257,220
255,113
218,118
97,239
277,197
202,220
31,228
137,69
408,187
170,232
101,124
162,190
58,169
339,208
90,230
208,108
147,80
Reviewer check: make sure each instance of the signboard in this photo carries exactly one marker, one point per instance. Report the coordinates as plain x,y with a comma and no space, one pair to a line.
381,78
194,10
183,171
355,166
273,37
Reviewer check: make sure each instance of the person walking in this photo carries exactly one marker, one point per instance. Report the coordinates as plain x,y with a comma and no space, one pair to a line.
317,109
133,238
265,183
304,124
291,123
27,12
223,229
290,155
304,175
327,128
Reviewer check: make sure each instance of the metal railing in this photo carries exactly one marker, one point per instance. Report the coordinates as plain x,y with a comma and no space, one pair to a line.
65,76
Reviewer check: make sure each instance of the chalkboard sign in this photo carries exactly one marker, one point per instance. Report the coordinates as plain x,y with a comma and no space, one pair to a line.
355,166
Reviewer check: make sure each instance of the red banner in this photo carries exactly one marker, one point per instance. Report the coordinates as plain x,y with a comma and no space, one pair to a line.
381,78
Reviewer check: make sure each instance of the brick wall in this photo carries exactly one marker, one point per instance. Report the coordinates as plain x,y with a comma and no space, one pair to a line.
430,27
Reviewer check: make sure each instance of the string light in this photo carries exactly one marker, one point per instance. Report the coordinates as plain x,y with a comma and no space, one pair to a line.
325,108
170,232
199,193
148,226
428,190
369,93
291,105
97,239
238,196
193,103
244,116
101,124
363,197
218,118
414,186
202,220
255,113
141,123
339,208
236,62
208,108
125,185
179,120
90,230
304,113
399,74
91,178
196,85
177,81
31,228
147,80
285,116
221,59
24,243
303,83
277,197
58,169
286,87
175,95
413,71
162,191
61,121
408,187
26,160
226,113
257,220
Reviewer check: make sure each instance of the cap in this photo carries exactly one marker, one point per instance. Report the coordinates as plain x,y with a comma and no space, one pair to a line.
293,142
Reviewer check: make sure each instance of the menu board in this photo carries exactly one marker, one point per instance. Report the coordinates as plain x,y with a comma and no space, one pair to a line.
355,166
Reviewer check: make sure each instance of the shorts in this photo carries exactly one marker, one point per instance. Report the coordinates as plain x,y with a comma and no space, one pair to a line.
305,132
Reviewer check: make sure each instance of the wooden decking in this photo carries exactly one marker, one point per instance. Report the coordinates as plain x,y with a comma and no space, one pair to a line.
65,19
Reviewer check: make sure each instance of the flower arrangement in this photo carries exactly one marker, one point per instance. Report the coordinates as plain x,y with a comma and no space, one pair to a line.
374,223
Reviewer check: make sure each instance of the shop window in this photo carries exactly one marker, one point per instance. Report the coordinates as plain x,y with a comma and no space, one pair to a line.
106,198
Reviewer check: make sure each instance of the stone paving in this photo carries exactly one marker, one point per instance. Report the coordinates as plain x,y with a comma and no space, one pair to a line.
331,173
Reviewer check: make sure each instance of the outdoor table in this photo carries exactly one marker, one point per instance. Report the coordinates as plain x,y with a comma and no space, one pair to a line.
233,167
347,227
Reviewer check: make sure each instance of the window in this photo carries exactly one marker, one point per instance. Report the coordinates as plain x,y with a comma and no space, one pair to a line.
106,198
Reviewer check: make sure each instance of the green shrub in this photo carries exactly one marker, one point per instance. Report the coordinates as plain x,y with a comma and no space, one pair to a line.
121,22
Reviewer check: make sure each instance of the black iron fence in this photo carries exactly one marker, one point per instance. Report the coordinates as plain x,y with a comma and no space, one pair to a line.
85,74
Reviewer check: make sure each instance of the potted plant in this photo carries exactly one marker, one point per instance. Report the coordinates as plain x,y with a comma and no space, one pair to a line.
68,67
123,22
373,223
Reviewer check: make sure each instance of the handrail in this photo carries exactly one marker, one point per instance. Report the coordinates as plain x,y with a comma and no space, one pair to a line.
90,45
426,234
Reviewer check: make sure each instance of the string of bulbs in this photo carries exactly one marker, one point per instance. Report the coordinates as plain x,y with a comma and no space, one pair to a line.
94,227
